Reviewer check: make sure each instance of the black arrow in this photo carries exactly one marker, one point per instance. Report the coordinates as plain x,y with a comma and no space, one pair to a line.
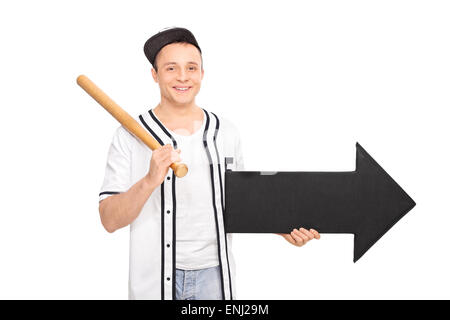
366,202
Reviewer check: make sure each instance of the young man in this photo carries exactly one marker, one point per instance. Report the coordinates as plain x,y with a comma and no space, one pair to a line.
178,245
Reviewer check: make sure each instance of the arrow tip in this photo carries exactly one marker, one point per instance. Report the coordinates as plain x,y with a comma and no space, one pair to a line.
382,202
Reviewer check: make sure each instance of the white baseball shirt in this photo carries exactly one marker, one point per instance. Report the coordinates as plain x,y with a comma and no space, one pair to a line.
153,234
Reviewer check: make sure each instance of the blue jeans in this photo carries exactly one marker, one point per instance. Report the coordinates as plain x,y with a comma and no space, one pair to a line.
203,284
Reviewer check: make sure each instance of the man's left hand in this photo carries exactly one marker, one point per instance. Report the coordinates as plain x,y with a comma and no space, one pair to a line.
299,237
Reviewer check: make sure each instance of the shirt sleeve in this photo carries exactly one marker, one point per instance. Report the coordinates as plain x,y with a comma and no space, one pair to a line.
118,165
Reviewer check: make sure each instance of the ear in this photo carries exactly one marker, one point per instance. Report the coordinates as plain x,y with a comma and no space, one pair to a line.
155,75
203,73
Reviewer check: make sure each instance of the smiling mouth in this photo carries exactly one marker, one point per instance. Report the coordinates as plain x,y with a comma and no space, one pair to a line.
182,89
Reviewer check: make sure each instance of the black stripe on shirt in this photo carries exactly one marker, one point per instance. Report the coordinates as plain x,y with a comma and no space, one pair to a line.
151,131
211,169
174,242
163,129
162,241
174,236
162,212
222,201
108,192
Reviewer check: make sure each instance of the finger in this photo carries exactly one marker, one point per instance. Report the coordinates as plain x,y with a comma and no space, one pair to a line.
156,151
315,233
300,234
167,148
167,151
307,233
175,157
299,241
168,160
288,238
165,158
162,149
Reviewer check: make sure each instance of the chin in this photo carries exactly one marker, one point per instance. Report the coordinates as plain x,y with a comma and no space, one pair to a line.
183,101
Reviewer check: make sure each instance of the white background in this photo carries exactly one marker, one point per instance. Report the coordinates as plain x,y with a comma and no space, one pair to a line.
303,82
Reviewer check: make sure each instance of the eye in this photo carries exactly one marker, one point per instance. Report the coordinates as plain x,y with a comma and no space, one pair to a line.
192,68
169,68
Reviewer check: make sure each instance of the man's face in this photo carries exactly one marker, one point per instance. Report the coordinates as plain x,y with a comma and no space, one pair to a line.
179,73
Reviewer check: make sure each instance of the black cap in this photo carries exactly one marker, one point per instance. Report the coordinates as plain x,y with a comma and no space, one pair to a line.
167,36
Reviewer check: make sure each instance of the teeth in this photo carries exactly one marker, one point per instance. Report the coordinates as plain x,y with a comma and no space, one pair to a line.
182,89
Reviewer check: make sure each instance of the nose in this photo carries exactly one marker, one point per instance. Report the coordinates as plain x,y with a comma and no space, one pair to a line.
182,75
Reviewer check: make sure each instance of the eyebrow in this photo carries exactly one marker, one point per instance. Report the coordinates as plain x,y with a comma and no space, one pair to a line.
189,62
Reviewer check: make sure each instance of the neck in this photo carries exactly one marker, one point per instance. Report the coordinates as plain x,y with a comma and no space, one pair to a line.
170,109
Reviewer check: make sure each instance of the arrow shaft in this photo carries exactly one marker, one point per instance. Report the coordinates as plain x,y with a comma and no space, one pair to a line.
325,201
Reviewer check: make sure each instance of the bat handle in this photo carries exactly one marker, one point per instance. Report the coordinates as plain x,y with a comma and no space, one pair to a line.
180,169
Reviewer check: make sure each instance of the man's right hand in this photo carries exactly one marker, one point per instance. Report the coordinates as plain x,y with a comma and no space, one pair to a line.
160,162
119,210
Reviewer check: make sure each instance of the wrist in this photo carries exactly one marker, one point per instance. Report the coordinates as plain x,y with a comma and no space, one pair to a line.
150,183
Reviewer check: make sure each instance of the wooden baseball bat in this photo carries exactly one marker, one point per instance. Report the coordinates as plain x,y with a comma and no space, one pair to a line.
180,169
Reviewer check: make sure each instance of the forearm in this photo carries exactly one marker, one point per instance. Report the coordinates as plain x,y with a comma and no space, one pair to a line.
120,210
